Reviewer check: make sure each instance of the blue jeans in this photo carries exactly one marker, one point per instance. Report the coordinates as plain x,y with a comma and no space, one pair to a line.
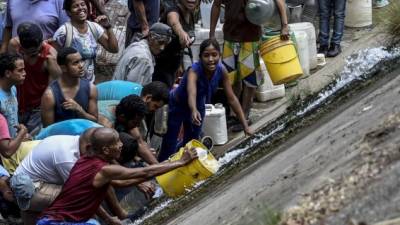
178,114
326,7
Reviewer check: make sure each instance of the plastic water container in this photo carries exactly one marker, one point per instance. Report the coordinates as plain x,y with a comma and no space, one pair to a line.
201,35
176,182
205,13
358,13
214,124
267,90
117,89
303,51
312,41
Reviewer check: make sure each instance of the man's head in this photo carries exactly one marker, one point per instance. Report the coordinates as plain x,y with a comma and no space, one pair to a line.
105,143
129,148
12,68
71,63
155,95
130,111
31,38
84,140
159,37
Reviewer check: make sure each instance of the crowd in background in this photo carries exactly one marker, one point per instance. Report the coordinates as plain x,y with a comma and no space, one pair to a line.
48,83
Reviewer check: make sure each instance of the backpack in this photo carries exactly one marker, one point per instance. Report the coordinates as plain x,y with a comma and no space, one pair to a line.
69,32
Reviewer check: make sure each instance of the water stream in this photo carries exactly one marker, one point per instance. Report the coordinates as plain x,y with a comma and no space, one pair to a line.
357,67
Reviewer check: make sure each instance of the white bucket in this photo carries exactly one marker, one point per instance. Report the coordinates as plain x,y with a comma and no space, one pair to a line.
303,51
358,13
205,13
267,90
312,41
214,124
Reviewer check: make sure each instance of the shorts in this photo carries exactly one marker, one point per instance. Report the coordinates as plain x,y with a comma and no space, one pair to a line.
241,59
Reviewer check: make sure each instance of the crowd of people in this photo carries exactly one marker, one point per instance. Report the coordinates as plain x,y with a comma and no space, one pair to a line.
48,82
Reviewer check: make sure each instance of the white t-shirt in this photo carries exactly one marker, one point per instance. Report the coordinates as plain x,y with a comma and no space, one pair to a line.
51,160
85,44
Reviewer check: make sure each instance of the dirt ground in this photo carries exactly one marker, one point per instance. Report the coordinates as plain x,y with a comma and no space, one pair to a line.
339,162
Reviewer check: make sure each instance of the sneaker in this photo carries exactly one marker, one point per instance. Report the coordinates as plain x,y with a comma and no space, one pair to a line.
334,50
323,49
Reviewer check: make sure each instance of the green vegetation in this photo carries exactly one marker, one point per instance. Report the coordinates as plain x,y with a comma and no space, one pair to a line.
392,21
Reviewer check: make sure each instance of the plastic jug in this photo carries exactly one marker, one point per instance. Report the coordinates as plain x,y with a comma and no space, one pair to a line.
358,13
260,11
267,90
303,51
312,42
215,124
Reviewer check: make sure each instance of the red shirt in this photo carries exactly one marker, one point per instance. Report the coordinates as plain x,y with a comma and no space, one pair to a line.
29,93
79,199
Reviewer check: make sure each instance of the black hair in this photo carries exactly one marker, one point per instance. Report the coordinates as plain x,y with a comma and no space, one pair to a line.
208,42
30,35
63,54
131,106
7,62
68,4
129,148
158,90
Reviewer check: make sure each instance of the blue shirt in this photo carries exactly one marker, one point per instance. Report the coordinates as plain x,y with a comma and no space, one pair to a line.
9,109
152,8
205,88
48,14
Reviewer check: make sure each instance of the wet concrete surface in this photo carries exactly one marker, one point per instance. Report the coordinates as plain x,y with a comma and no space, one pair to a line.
321,153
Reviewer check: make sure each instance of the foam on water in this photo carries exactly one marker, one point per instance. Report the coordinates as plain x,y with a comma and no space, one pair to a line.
229,156
356,67
153,212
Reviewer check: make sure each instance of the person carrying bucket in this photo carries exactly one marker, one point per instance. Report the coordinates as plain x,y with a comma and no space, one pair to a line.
241,44
187,101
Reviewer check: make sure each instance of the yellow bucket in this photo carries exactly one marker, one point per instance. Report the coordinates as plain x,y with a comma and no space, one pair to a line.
177,181
280,58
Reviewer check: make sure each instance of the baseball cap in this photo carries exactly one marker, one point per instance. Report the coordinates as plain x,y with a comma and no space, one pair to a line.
30,35
161,30
23,189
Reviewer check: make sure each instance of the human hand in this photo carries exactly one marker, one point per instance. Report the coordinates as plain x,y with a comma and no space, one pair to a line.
184,39
188,155
145,30
196,117
21,129
103,21
248,131
70,104
285,33
147,188
114,221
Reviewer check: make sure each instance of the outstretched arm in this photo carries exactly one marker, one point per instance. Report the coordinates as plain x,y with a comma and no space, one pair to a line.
234,102
140,11
116,172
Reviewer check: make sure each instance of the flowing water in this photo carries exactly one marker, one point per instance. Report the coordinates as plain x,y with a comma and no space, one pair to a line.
358,67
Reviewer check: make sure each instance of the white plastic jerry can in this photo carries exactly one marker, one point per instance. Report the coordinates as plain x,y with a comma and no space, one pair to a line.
215,124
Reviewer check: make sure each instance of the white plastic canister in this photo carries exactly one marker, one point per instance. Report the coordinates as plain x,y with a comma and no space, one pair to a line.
303,51
214,124
312,41
358,13
267,90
